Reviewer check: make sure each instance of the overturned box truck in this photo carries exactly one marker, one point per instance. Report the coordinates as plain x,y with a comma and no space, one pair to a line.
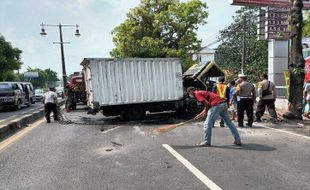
130,87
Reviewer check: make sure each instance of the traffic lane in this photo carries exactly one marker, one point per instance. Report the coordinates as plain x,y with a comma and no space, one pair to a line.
6,114
82,157
268,160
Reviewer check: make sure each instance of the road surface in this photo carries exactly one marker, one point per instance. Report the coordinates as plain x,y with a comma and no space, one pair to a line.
129,155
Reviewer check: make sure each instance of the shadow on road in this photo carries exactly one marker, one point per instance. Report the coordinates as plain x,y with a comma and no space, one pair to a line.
247,146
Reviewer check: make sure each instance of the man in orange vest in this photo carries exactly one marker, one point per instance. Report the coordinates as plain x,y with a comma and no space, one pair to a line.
223,91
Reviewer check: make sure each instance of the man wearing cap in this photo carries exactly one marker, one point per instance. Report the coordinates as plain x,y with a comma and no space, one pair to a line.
215,106
247,96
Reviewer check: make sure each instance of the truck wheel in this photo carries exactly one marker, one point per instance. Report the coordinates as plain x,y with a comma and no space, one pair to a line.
18,106
132,113
32,101
193,108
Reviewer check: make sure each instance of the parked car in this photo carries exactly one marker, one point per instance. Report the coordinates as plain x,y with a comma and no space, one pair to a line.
12,95
38,94
60,91
29,93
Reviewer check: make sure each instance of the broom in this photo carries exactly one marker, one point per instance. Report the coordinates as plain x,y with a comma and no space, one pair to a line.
171,127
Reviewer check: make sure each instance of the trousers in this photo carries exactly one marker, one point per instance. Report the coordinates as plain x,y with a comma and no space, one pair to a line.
245,104
270,106
50,107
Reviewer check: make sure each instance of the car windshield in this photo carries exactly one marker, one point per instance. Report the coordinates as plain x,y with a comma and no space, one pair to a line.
5,86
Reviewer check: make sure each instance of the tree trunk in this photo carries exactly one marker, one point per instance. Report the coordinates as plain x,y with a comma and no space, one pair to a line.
297,62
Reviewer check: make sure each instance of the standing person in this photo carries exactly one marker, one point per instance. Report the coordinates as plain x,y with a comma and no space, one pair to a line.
247,96
222,90
307,99
215,106
68,98
233,100
50,104
267,97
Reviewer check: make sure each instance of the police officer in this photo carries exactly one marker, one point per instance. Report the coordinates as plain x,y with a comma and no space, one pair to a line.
267,97
247,96
223,91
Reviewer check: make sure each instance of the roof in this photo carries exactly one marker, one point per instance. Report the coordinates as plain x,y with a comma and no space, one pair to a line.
209,69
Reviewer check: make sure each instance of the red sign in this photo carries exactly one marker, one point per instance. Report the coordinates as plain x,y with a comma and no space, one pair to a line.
307,69
270,3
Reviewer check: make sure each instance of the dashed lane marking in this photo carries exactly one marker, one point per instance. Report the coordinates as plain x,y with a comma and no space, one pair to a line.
19,135
203,178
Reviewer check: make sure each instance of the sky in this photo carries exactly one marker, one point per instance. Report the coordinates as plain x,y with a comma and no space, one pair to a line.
21,19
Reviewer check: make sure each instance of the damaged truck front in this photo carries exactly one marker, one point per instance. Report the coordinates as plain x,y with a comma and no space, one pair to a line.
130,87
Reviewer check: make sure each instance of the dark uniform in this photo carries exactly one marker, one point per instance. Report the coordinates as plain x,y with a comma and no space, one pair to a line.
246,97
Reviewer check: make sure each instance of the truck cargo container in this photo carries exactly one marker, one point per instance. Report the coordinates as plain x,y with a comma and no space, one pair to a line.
130,87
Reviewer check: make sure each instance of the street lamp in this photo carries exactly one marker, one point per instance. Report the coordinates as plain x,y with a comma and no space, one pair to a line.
77,34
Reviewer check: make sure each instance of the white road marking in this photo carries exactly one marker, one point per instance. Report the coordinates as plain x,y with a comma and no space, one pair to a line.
109,130
283,131
203,178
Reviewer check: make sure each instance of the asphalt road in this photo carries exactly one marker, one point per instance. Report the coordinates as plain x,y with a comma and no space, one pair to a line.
131,156
10,114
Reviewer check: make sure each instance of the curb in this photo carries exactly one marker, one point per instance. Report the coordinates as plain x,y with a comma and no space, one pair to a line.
22,122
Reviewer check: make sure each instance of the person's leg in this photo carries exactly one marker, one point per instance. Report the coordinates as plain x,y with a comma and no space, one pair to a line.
222,123
249,111
209,123
230,125
260,110
271,108
55,112
240,109
47,112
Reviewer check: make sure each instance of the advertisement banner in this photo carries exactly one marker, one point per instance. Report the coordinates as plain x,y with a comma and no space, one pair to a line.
307,70
270,3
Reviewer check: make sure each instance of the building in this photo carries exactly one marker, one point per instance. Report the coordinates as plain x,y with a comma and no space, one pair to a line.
204,56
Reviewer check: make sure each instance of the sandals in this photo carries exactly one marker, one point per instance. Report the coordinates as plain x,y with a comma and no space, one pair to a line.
203,144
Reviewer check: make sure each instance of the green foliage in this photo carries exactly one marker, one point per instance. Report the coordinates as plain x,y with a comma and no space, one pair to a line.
161,28
306,29
10,60
229,52
46,78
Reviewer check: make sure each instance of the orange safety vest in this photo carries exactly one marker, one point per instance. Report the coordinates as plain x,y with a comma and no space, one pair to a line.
221,90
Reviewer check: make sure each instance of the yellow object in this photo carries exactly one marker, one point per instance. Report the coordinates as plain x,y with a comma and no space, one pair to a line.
221,90
287,78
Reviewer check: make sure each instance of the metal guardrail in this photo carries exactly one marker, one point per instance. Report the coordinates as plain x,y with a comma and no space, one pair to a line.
281,92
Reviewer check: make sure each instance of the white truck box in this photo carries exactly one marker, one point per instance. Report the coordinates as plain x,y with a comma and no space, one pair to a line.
132,81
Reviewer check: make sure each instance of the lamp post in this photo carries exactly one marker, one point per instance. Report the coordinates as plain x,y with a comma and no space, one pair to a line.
61,42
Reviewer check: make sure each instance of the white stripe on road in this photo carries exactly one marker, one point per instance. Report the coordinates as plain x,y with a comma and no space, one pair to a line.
203,178
103,132
283,131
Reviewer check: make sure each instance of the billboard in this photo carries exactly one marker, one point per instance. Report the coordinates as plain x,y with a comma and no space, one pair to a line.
270,3
31,74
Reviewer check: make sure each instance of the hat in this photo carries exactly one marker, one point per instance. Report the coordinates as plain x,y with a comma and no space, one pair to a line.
242,76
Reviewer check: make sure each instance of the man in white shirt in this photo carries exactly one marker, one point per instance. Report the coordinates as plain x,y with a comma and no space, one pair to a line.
50,104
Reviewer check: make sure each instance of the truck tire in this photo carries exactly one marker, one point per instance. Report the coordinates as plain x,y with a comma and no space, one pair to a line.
193,107
18,106
32,101
133,113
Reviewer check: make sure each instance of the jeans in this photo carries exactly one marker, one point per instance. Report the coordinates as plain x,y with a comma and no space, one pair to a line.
213,114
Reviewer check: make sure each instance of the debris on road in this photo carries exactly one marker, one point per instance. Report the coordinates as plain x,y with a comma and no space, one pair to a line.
116,144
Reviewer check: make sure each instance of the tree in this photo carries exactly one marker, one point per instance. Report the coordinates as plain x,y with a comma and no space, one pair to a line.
46,77
297,62
10,59
161,28
229,52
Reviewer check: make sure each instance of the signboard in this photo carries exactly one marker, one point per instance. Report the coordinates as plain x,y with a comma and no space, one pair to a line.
31,74
270,3
277,23
307,69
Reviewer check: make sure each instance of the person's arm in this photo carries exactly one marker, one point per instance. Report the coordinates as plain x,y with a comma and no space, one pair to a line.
260,90
254,94
274,91
205,110
228,95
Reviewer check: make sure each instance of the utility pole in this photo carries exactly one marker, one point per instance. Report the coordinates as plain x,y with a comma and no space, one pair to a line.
77,34
243,46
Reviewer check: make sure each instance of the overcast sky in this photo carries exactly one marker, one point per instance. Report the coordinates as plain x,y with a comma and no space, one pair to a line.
20,25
